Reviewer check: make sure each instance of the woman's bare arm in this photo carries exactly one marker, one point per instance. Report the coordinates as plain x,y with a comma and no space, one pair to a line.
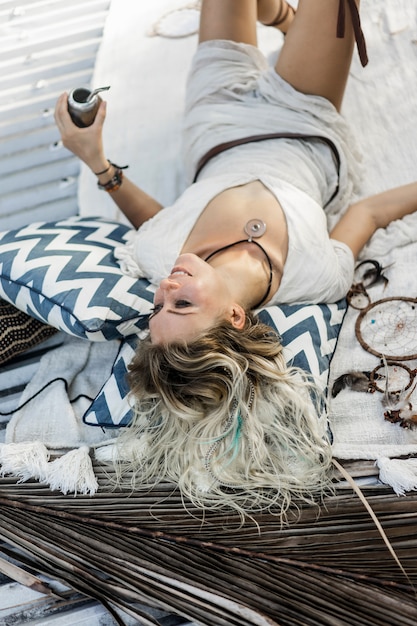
87,144
134,203
363,218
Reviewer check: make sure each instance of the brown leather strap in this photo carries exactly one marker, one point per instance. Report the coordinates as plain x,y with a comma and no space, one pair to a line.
357,29
222,147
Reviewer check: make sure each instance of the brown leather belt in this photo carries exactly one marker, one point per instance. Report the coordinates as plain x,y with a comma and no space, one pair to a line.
222,147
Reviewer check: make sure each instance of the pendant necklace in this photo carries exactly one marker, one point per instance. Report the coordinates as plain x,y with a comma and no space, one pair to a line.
253,228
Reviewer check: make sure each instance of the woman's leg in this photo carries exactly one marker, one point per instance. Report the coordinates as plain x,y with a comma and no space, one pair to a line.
276,13
228,19
236,19
313,59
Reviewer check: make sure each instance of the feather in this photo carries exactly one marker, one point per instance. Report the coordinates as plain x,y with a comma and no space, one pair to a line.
357,381
372,275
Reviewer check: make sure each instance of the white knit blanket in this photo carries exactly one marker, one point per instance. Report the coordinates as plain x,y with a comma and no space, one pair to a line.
68,379
357,419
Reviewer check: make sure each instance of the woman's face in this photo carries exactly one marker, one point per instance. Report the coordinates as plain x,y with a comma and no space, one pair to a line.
193,298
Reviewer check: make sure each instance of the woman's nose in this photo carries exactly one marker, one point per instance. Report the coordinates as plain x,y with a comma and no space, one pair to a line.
168,284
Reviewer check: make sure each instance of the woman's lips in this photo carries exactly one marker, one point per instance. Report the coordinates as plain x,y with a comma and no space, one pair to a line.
179,271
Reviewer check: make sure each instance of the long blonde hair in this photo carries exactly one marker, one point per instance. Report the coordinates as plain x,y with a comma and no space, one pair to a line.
227,421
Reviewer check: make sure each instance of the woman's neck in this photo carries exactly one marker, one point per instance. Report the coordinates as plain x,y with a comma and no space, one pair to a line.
250,276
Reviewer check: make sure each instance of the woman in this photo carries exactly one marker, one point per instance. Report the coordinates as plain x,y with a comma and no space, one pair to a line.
217,408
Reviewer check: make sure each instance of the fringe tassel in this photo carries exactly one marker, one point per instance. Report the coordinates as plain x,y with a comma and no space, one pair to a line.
70,473
24,460
400,474
73,473
132,450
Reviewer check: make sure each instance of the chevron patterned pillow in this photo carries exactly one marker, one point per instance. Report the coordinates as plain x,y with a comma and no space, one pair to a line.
64,274
112,407
308,332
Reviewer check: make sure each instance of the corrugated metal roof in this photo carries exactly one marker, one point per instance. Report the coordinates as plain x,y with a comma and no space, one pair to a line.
46,47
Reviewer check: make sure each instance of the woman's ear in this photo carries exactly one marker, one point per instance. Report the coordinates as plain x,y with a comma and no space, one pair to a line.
238,316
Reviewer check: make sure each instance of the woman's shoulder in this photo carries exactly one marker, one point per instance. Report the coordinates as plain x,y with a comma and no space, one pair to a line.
317,268
294,201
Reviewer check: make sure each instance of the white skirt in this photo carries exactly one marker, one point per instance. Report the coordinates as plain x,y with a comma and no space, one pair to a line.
232,93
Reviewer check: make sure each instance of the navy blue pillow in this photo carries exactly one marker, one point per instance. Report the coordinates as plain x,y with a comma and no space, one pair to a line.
308,332
64,274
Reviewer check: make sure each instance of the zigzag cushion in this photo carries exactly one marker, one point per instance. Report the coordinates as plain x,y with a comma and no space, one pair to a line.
308,332
112,407
64,274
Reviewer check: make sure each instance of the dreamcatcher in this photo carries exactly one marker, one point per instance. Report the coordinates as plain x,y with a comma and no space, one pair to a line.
387,329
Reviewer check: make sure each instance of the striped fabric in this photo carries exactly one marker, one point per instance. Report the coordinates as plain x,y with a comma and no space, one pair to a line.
64,274
15,375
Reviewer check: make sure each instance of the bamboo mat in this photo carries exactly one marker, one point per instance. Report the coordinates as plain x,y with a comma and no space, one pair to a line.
144,548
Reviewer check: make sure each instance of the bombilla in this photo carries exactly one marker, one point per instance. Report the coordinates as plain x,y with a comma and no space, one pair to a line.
93,93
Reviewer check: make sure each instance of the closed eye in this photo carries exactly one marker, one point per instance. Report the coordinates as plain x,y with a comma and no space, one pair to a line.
179,304
182,304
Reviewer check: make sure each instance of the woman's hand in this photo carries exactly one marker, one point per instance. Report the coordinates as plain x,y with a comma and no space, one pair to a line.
85,143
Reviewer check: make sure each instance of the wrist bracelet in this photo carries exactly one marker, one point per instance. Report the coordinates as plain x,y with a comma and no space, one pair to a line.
104,171
115,182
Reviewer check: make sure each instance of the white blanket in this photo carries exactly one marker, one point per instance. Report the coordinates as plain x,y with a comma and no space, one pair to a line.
68,379
357,418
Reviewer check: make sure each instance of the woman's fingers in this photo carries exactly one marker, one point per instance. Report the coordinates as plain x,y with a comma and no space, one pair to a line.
86,143
61,109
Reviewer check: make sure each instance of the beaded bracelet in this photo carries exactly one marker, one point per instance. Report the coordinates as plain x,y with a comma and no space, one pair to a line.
116,181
